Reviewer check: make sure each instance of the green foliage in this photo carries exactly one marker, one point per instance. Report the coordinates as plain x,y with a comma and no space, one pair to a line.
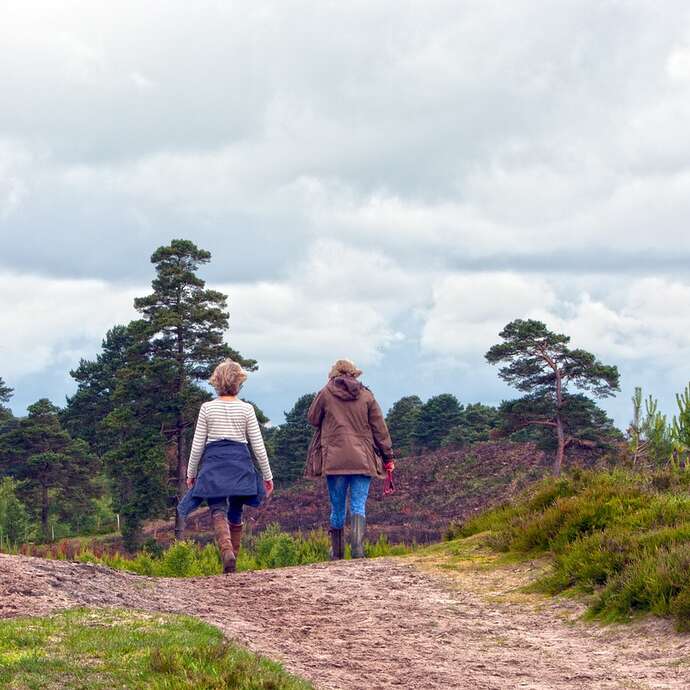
476,422
5,394
291,441
650,437
621,535
539,362
680,431
70,649
402,421
272,548
15,524
436,418
54,471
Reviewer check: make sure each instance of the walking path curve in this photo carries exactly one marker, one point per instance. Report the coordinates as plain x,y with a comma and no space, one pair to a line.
383,623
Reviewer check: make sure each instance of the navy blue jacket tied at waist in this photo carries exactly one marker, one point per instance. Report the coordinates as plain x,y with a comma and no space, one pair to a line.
226,470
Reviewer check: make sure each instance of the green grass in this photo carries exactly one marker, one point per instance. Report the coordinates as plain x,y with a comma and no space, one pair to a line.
109,648
271,548
620,536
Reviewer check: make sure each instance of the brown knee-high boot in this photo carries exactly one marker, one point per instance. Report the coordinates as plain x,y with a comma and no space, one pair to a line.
236,536
221,529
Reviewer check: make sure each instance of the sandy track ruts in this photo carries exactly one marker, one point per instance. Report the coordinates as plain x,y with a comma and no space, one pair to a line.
374,624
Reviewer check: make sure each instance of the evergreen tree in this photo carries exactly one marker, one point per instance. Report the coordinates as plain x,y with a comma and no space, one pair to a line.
540,363
292,441
136,460
5,395
5,392
15,523
52,468
476,423
86,410
402,423
650,437
437,417
186,323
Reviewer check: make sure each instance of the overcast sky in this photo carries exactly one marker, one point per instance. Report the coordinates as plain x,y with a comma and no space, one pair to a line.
387,181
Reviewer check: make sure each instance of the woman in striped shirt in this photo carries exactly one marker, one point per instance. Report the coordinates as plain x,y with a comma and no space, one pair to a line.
227,478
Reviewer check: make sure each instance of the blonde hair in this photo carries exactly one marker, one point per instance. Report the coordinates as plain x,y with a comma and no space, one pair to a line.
344,367
228,378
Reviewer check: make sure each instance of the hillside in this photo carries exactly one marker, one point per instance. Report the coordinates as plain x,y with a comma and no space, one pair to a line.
432,490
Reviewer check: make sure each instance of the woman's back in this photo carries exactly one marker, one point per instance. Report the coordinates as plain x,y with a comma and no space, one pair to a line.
234,420
226,419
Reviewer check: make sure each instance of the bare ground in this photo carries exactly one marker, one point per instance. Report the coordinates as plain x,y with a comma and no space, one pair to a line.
384,623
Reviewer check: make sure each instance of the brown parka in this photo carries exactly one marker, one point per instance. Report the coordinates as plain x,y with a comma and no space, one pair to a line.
351,436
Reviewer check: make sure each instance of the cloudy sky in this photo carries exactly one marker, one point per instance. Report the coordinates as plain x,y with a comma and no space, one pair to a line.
389,181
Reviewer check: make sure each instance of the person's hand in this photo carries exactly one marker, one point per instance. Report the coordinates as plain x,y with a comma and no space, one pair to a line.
190,482
268,485
390,465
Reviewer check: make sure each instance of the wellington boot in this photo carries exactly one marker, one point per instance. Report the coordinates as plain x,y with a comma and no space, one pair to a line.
221,529
236,536
358,525
337,543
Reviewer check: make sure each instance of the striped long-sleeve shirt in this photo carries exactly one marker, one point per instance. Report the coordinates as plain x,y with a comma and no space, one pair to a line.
228,419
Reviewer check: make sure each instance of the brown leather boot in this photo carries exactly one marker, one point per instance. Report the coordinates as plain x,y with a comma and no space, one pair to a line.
236,536
221,529
337,543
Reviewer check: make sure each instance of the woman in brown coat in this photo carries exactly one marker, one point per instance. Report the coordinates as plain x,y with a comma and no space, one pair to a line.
351,445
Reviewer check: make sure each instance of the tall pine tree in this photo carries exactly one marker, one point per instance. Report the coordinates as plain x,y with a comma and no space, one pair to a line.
186,323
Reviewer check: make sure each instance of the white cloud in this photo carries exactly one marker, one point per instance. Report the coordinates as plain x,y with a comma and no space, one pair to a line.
643,320
52,320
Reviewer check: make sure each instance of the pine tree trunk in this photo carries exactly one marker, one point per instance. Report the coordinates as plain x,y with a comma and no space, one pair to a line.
560,452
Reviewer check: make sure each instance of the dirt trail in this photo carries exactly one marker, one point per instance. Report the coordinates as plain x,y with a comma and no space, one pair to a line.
382,623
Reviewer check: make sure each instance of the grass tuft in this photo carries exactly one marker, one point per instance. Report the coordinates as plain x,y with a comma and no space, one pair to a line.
622,536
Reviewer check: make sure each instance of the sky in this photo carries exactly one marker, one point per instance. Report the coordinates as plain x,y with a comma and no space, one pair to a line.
391,182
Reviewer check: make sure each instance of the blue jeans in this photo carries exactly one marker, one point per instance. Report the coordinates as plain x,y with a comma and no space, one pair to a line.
337,490
232,504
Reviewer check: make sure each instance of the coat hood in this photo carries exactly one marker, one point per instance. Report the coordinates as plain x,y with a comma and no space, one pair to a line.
345,387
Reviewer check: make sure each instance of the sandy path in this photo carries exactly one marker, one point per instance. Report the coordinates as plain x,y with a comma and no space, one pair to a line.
378,624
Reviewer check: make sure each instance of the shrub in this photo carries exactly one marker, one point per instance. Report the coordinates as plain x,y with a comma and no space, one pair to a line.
621,535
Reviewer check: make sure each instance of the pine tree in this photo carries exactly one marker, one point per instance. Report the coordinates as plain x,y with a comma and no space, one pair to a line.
5,392
476,423
437,417
292,441
402,423
86,410
50,466
15,523
540,363
186,324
